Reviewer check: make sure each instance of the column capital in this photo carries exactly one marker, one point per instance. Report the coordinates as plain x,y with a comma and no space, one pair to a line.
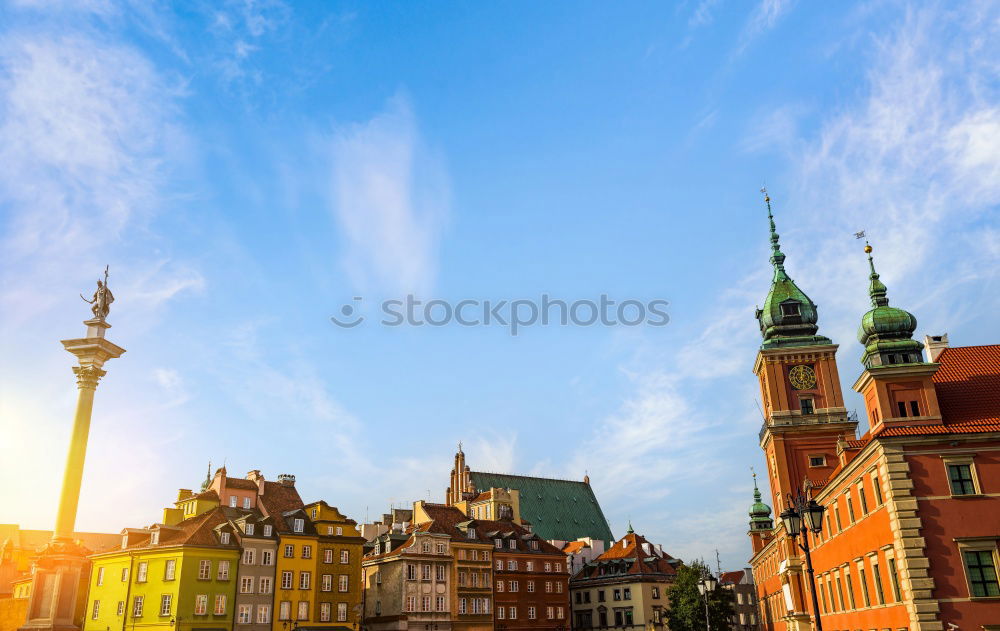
88,376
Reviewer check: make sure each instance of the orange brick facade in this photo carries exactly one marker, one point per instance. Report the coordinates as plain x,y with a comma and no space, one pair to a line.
911,528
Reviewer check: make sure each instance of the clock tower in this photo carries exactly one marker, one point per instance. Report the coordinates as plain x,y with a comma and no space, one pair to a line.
804,414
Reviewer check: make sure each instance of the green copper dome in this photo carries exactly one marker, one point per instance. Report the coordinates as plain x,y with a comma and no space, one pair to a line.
760,513
788,317
886,332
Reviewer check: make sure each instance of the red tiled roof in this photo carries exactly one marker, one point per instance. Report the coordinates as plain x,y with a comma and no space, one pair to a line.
968,384
277,499
951,428
240,483
574,546
731,577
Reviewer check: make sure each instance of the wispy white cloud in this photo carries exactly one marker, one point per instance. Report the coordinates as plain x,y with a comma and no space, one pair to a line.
391,197
764,17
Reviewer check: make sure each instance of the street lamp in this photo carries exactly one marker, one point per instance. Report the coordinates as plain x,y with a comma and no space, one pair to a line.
706,586
805,515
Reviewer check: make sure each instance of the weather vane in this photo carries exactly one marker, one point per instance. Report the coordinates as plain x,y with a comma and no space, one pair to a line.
100,304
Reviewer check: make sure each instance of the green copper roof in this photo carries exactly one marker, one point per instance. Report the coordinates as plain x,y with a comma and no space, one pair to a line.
556,509
760,513
788,317
886,332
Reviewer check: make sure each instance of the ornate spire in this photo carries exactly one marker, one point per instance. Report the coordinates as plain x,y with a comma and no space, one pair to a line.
886,332
760,513
777,256
208,477
629,531
788,317
876,289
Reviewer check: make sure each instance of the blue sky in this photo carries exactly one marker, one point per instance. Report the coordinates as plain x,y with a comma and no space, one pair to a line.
246,168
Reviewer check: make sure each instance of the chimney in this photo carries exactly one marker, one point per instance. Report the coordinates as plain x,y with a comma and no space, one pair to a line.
934,345
286,479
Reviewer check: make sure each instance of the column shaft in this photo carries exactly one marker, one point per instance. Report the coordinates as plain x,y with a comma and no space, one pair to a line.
73,476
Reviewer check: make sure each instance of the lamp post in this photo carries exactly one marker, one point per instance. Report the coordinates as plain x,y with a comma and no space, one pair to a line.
805,515
706,586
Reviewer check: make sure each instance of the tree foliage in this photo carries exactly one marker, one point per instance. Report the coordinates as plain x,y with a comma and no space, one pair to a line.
687,605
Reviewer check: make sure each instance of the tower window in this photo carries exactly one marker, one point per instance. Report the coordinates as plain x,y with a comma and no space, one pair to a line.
902,408
806,405
817,461
915,408
790,309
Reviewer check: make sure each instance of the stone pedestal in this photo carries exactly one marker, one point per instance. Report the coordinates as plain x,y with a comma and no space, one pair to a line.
62,564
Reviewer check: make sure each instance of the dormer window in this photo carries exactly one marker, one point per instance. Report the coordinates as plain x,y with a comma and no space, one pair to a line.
154,538
298,525
267,530
471,533
246,502
232,501
496,542
224,538
249,529
790,309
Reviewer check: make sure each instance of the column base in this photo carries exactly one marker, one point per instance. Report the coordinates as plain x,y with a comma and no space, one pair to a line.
57,574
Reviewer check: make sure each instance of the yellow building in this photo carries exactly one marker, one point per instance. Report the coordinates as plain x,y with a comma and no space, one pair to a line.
295,571
175,578
338,588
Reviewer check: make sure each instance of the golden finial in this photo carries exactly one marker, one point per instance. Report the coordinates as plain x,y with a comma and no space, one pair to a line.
868,249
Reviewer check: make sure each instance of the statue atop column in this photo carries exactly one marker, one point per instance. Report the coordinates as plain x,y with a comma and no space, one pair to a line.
101,302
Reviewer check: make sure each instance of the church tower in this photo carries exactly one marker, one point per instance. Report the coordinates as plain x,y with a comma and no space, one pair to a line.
896,383
804,414
460,488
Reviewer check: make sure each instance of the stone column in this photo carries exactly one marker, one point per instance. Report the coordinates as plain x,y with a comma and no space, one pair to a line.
62,564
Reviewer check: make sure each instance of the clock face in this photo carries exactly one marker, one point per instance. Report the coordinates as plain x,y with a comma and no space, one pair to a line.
802,377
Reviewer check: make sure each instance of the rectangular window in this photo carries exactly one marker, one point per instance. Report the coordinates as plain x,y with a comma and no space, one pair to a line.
512,613
877,579
531,613
438,604
411,572
862,498
462,605
97,610
100,576
265,585
263,614
169,569
836,516
307,552
901,405
960,476
425,572
980,567
246,585
298,525
137,607
204,570
840,593
806,405
425,603
512,566
200,604
248,529
342,583
894,580
500,586
121,608
303,610
864,586
529,566
877,489
223,571
248,556
265,557
305,578
627,593
439,573
285,610
232,501
548,567
345,556
224,538
124,574
243,614
289,551
850,507
512,586
286,579
850,587
324,612
411,603
326,583
140,575
559,588
220,605
530,586
440,549
550,613
267,530
915,408
560,613
342,612
499,566
500,613
498,543
328,555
